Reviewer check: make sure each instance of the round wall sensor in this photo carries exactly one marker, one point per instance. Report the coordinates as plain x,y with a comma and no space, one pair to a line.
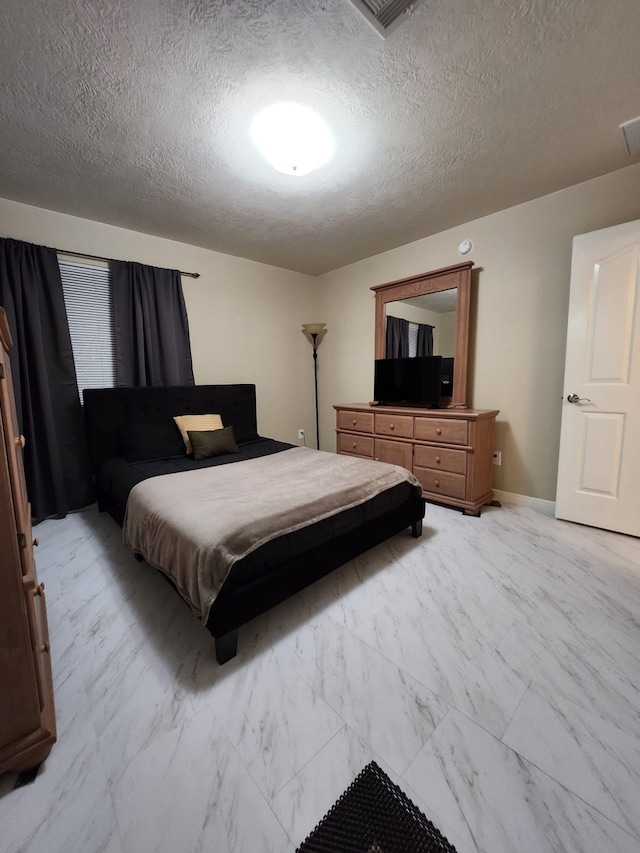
465,247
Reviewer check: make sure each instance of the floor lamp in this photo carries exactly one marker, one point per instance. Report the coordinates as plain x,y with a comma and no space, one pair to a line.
313,330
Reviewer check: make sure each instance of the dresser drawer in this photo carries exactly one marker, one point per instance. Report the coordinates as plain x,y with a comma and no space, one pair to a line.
400,426
37,617
356,421
441,430
441,458
441,482
358,445
394,452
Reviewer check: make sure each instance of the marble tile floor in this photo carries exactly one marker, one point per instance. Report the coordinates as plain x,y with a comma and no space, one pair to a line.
492,669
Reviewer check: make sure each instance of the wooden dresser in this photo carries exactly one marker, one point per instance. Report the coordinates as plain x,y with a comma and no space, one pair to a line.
27,720
449,450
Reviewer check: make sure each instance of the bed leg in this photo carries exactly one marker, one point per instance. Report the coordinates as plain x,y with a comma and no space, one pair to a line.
416,529
227,646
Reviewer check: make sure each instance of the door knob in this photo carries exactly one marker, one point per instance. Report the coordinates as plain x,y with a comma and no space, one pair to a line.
573,398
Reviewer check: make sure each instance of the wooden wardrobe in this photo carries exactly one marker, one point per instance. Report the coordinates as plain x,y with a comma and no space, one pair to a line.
27,719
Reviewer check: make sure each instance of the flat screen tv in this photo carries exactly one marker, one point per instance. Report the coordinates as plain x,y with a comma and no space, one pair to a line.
447,377
412,381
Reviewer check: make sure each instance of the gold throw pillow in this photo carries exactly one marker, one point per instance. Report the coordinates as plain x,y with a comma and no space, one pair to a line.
197,423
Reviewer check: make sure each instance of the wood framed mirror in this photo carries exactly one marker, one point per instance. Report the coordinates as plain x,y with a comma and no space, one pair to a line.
437,293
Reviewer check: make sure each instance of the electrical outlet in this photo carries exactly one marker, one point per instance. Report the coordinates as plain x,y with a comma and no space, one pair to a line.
497,457
300,435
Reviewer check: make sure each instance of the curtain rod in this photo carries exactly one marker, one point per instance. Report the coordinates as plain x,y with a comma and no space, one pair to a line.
100,258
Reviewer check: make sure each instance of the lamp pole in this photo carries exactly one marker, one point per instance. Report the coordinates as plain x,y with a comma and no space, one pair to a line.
313,330
314,335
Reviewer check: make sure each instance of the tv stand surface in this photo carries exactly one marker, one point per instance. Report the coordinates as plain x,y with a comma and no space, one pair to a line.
450,451
402,405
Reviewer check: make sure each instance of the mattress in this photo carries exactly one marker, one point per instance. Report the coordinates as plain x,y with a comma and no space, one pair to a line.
195,526
117,477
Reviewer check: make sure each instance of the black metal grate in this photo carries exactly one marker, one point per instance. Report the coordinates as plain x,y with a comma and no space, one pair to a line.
375,816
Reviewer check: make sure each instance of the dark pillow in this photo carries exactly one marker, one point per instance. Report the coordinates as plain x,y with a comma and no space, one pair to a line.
213,442
151,441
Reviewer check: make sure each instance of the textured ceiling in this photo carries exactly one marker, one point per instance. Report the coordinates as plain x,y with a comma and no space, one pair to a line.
137,114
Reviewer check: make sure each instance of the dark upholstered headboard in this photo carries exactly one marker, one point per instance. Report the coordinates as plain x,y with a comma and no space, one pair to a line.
107,410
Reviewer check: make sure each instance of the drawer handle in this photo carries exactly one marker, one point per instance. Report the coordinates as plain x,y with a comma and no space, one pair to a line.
438,431
20,440
391,426
45,646
353,421
39,590
438,460
436,483
354,445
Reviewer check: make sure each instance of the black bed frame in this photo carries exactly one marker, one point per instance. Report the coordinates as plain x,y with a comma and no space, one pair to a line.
106,410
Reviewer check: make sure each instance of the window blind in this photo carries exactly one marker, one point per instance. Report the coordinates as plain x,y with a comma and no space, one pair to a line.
89,304
413,340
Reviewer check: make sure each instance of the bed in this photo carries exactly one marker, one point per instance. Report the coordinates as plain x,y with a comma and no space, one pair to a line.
138,456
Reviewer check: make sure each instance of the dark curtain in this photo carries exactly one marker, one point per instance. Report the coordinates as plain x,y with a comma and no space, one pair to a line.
151,330
397,342
424,345
44,380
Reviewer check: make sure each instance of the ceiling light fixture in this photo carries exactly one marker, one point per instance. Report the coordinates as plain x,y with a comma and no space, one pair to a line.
293,138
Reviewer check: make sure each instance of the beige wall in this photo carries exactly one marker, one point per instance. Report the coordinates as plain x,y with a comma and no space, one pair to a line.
245,318
521,288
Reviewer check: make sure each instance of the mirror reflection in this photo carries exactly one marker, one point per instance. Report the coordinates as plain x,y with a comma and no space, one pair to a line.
422,325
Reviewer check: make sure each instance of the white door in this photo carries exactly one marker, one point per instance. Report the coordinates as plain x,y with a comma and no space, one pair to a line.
599,465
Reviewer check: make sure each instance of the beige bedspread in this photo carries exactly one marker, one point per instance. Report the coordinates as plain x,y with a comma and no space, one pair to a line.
194,525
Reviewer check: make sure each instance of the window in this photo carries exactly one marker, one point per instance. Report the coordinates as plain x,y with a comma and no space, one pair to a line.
413,340
89,304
